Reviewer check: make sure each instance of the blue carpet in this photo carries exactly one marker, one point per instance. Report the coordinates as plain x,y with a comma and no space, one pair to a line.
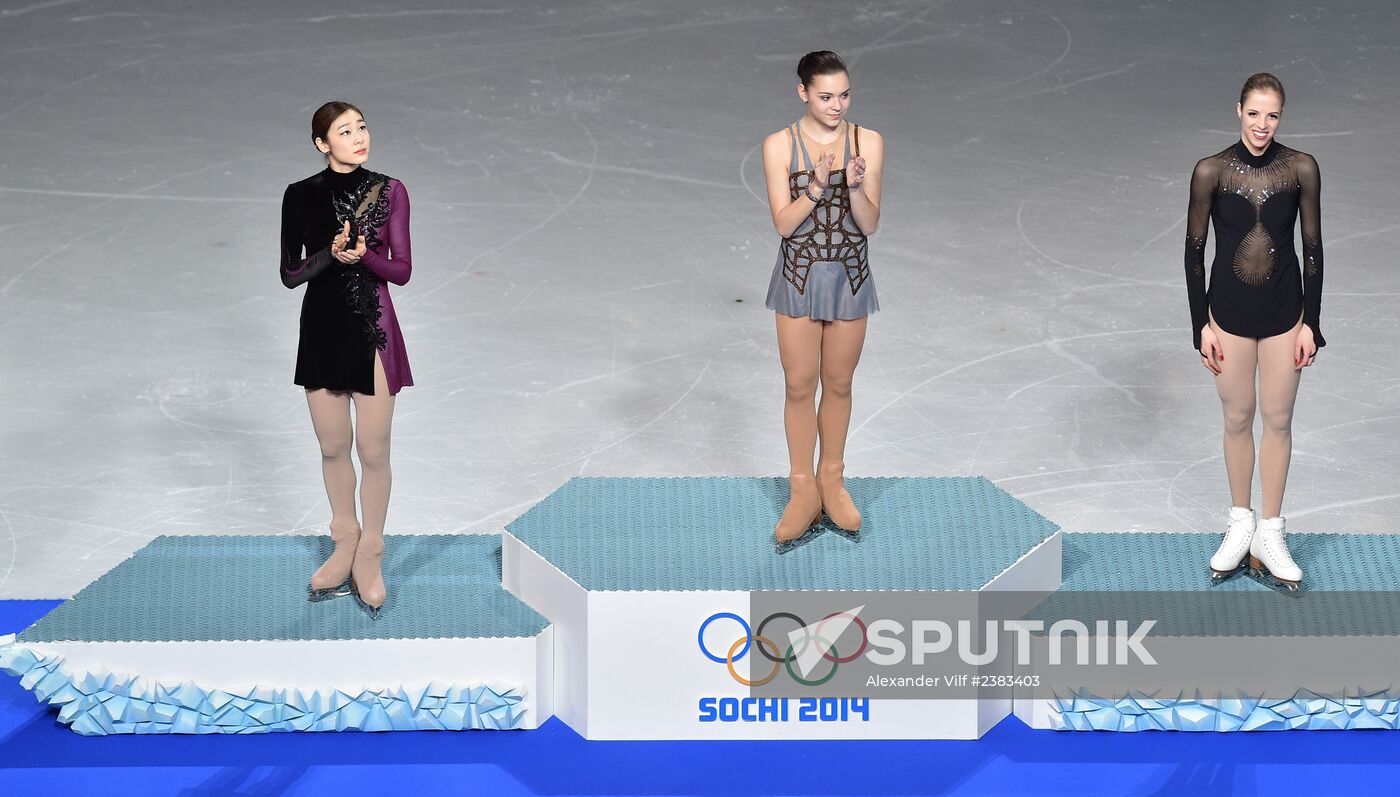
39,756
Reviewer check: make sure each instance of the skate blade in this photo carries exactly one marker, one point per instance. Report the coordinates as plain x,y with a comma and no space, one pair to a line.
1290,588
1217,577
317,595
786,546
849,536
374,612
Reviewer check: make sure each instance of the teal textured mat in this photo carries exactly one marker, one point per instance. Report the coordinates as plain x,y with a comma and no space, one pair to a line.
1174,562
245,588
717,534
1351,586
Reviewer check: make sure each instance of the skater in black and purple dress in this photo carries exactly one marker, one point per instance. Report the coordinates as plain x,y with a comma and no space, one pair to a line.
345,236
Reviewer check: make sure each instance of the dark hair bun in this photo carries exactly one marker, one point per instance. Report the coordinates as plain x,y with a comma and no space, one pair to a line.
821,62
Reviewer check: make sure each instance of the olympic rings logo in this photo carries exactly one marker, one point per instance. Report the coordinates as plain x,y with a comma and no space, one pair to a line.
755,638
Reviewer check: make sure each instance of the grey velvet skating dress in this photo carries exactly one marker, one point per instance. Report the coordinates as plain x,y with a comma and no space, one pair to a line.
823,271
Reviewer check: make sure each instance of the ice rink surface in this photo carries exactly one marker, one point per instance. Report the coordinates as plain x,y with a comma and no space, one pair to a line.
592,248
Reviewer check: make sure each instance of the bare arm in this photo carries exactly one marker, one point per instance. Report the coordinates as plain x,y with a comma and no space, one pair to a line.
865,193
788,213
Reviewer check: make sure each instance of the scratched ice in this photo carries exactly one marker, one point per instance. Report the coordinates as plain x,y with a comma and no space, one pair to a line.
592,248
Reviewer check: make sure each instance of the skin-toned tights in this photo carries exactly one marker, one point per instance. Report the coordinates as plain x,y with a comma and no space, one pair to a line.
813,352
374,415
1273,360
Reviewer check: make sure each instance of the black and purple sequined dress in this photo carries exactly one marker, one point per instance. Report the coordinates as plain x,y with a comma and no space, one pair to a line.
346,314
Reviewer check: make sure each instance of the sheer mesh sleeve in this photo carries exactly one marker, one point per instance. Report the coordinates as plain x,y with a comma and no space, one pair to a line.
296,270
1310,219
1203,181
398,266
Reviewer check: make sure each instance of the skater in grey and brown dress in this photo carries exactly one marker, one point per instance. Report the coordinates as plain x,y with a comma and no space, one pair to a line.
824,206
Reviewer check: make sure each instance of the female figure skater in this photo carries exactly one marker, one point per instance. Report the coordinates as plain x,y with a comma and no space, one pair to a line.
823,178
344,234
1260,315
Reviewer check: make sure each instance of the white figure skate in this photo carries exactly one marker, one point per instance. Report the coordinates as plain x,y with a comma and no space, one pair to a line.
1234,547
1269,560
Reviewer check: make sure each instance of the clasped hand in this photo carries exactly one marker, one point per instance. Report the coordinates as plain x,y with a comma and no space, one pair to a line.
347,256
826,162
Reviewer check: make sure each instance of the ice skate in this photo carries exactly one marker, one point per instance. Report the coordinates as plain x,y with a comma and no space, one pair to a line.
367,579
1234,546
332,580
1269,560
804,509
835,500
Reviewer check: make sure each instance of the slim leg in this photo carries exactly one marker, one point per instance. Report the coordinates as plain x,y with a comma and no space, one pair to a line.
799,349
1235,384
330,418
841,348
374,416
1278,391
